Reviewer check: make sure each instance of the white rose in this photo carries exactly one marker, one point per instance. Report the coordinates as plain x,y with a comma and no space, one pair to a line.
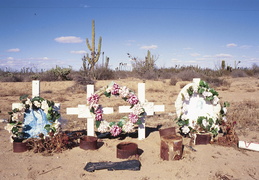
215,100
185,129
216,127
109,89
128,127
45,106
124,91
224,118
195,88
28,102
224,110
37,104
205,123
8,127
104,127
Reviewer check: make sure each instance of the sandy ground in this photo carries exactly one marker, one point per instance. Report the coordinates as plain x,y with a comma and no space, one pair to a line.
208,162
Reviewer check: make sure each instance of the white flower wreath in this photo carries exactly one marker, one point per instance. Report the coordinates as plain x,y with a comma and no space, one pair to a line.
40,111
212,114
116,128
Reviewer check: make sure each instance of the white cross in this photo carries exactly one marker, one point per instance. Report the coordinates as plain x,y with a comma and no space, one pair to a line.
35,92
83,111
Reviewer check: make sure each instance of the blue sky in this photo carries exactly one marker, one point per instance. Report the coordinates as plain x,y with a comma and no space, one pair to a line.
41,34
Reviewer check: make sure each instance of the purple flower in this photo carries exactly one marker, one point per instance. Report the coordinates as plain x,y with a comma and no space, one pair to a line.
115,130
115,89
133,99
99,114
133,118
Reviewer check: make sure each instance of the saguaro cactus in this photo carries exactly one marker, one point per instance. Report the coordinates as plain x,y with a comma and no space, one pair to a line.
150,61
223,64
95,54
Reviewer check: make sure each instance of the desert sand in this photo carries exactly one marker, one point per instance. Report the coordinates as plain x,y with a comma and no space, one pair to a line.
210,161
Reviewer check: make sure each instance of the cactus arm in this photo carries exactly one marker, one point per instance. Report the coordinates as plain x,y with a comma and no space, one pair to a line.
93,36
99,50
88,44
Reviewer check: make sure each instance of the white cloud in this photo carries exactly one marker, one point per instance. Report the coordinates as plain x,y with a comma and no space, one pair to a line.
224,55
245,47
68,39
176,60
14,50
231,45
192,62
149,47
188,48
10,58
195,54
45,58
78,52
39,58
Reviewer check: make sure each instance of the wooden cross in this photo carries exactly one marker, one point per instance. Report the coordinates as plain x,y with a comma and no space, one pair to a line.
83,111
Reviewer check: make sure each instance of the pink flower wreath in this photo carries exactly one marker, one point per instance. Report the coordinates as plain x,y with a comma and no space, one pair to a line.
126,124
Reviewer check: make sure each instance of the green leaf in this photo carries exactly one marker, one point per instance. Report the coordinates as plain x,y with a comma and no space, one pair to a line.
201,90
107,94
190,91
112,123
139,122
49,116
121,123
14,130
92,110
47,127
215,93
226,104
97,124
54,129
24,97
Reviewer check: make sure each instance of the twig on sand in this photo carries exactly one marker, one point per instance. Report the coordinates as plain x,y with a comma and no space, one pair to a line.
50,170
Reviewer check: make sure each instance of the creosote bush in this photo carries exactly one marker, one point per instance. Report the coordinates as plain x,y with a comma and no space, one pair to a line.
185,73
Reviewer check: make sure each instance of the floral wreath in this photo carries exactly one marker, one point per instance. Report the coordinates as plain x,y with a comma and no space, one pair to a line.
16,120
126,124
210,123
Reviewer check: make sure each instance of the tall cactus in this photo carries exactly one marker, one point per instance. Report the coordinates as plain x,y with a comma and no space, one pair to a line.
93,59
223,64
107,62
150,61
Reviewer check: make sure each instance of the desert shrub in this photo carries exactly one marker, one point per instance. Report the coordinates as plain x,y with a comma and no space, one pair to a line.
82,79
102,73
188,75
151,74
173,81
238,73
254,71
12,77
216,82
122,74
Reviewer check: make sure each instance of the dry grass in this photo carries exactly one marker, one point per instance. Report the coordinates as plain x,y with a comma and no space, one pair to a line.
246,114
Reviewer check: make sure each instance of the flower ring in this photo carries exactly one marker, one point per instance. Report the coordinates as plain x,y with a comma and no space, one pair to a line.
198,109
126,124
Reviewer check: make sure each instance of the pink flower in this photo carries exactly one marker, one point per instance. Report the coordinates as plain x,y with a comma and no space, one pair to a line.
98,114
133,99
93,99
133,118
115,130
115,89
